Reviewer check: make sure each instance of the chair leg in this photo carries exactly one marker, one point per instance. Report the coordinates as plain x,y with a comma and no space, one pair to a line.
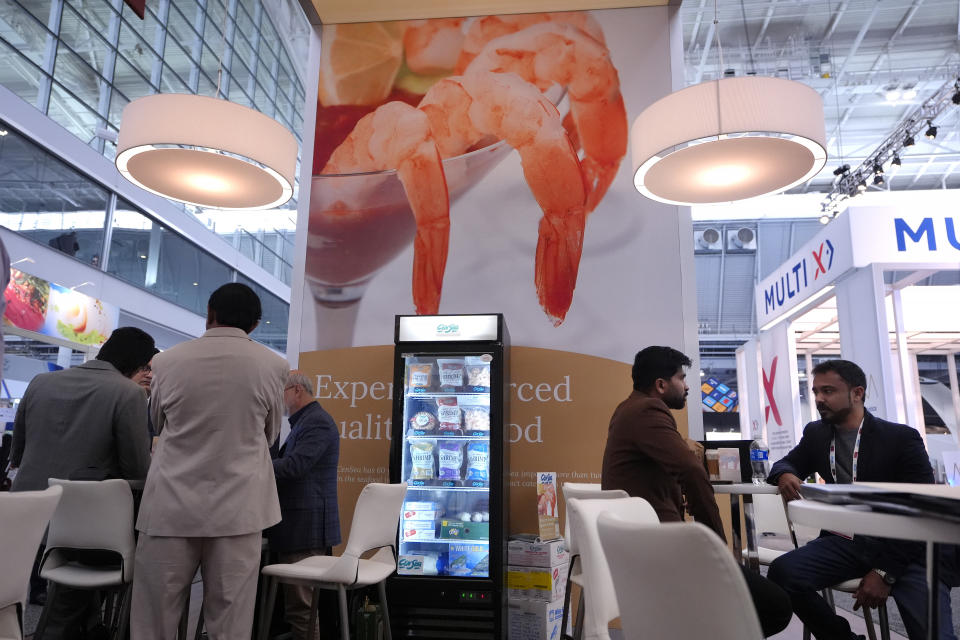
314,605
581,616
388,634
266,615
806,632
566,600
344,616
42,623
884,622
123,616
868,618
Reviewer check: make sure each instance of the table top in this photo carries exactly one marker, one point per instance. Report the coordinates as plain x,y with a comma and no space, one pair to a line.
744,487
860,519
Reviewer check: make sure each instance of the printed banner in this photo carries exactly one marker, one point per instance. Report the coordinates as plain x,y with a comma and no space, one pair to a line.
477,166
33,304
781,396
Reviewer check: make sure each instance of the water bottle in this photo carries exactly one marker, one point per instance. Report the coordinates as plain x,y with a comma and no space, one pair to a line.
759,454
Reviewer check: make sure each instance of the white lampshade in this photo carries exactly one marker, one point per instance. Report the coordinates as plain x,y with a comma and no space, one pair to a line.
206,152
728,140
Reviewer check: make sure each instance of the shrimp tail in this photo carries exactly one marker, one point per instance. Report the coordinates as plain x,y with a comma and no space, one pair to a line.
599,176
559,247
423,180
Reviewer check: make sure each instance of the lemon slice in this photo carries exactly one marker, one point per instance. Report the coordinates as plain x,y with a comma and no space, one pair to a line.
359,62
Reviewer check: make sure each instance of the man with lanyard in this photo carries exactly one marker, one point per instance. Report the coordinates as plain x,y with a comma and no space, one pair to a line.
847,445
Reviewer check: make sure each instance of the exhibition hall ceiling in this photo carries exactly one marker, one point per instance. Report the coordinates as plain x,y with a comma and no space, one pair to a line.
872,61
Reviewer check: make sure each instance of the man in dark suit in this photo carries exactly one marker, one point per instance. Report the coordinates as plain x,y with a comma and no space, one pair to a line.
306,471
849,444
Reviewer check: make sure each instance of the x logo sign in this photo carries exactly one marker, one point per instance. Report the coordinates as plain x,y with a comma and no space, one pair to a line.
768,389
818,258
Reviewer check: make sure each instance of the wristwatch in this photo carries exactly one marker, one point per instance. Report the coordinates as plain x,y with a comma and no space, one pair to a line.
889,579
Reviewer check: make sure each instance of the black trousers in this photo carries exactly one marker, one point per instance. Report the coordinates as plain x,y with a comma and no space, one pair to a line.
71,613
772,603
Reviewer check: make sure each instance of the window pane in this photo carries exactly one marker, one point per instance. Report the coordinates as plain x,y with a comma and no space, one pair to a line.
241,76
180,28
210,63
117,102
186,275
243,50
238,95
190,9
268,35
85,83
272,330
245,24
96,12
26,35
136,52
268,60
19,75
266,79
149,28
262,101
284,82
39,8
170,82
130,83
48,201
130,245
207,86
178,60
78,118
85,42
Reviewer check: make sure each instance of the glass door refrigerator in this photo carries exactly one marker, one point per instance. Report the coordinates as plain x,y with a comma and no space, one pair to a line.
449,443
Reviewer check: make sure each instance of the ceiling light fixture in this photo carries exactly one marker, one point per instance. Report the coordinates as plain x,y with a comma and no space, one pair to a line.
878,169
909,141
878,180
862,186
728,140
206,152
824,219
908,94
842,170
931,132
895,163
892,95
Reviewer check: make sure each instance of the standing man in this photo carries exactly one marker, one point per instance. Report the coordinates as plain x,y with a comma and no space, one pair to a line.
306,471
217,404
846,445
648,458
89,421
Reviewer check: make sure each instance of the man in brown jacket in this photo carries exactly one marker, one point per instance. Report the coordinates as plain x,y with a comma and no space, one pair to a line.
648,458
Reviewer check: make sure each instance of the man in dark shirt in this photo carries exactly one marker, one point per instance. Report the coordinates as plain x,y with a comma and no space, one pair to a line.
306,471
647,457
849,444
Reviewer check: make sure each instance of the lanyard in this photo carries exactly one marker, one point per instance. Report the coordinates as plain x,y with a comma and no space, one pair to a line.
856,454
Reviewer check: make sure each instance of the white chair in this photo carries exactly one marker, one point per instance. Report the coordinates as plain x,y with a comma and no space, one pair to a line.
600,602
24,516
95,516
660,570
375,521
579,491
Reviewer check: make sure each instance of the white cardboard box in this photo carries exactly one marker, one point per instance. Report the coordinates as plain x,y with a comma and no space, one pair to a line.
534,619
419,530
525,553
545,584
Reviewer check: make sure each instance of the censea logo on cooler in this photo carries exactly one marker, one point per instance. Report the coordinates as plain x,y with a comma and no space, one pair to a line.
410,563
795,280
451,329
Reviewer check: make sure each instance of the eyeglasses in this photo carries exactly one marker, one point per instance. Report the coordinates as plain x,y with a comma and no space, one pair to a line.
145,369
292,386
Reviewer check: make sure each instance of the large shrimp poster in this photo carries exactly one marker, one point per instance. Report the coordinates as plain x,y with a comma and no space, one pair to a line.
481,165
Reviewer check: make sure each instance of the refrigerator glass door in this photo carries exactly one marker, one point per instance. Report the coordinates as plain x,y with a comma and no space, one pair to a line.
445,528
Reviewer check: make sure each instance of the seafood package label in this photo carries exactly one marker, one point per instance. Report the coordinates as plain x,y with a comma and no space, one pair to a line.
421,460
451,372
423,422
450,458
478,462
477,370
476,419
448,413
468,560
419,530
419,376
548,514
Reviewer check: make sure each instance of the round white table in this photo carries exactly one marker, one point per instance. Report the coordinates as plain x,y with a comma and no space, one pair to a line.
860,519
744,491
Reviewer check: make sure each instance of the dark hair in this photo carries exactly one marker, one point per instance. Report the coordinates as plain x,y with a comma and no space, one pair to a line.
235,305
128,349
851,373
653,363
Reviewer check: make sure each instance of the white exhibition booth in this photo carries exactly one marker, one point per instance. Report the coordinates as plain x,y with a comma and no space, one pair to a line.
831,298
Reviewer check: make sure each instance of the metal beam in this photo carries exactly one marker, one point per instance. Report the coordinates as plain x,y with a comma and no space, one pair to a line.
705,53
834,20
696,26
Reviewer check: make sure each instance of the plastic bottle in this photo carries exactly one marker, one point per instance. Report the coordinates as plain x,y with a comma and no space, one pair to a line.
759,454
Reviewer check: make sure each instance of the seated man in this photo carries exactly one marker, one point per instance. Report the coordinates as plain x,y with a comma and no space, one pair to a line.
647,457
849,444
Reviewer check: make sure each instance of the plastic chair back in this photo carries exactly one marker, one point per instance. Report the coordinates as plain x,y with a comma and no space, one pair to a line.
93,515
601,602
375,522
661,569
584,491
24,515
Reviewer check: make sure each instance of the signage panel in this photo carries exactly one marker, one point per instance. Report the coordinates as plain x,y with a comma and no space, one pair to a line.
447,328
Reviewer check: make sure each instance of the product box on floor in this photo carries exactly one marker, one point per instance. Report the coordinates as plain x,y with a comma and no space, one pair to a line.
534,619
531,552
537,583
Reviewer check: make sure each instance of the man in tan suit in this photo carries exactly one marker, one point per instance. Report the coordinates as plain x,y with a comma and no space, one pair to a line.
217,403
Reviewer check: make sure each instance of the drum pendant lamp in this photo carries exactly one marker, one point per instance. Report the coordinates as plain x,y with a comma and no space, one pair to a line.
728,140
206,152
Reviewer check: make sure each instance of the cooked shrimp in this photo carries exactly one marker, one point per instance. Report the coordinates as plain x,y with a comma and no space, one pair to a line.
464,110
397,136
483,30
554,53
432,46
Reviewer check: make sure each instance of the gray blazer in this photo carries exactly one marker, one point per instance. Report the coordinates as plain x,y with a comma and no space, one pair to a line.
217,403
87,416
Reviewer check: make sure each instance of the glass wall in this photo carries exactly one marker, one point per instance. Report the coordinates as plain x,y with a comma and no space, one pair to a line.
81,61
51,203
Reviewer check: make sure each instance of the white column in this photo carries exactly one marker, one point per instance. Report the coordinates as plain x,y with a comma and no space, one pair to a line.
750,390
955,392
910,410
915,408
811,401
864,337
780,386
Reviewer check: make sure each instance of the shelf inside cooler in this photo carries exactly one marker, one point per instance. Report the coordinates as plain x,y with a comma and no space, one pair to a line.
446,541
478,396
412,486
425,436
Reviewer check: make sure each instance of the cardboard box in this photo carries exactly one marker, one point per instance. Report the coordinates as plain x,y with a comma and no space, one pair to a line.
421,514
534,619
530,553
419,506
419,530
537,583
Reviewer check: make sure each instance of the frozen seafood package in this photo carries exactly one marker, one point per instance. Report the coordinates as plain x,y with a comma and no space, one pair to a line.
423,422
476,419
477,369
451,373
478,462
421,460
450,458
419,376
448,414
